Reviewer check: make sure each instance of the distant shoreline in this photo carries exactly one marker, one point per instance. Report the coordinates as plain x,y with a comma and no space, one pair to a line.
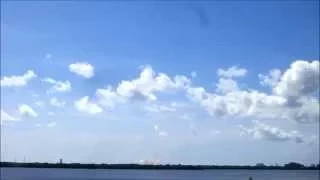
289,166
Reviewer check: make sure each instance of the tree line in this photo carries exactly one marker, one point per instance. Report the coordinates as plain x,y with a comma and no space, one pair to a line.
288,166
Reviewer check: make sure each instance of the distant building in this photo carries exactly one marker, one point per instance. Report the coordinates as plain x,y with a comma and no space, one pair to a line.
61,161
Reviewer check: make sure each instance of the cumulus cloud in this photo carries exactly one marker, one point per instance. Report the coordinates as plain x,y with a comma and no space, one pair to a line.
271,79
58,86
108,97
197,93
27,111
83,105
226,82
228,99
144,87
6,117
56,103
255,104
236,102
18,81
270,133
226,85
148,84
306,112
233,71
301,79
82,69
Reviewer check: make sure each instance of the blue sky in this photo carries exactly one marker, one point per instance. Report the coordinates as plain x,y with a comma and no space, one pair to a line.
250,92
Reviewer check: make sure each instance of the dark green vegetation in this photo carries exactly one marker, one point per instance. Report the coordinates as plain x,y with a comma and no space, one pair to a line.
289,166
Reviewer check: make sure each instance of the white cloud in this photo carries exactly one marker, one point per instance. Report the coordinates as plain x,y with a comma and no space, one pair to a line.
301,79
83,69
254,104
270,133
242,103
233,71
83,105
18,81
226,85
306,112
181,82
56,103
229,100
260,105
108,97
27,111
144,87
58,86
197,93
51,124
271,79
6,117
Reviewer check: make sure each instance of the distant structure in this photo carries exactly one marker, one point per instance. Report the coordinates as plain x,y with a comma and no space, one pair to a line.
60,161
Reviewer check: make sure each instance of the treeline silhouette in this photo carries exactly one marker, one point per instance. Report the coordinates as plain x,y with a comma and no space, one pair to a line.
289,166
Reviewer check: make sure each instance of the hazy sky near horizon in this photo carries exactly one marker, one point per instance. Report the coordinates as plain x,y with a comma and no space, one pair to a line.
160,82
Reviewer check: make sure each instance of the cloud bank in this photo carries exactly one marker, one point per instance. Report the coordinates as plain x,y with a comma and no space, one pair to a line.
18,81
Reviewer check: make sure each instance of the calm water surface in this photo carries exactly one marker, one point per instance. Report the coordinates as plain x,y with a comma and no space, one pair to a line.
82,174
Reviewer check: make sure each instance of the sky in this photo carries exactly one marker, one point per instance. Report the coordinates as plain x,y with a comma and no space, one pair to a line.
160,82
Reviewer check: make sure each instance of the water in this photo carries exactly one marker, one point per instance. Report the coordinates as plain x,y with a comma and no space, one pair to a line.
103,174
